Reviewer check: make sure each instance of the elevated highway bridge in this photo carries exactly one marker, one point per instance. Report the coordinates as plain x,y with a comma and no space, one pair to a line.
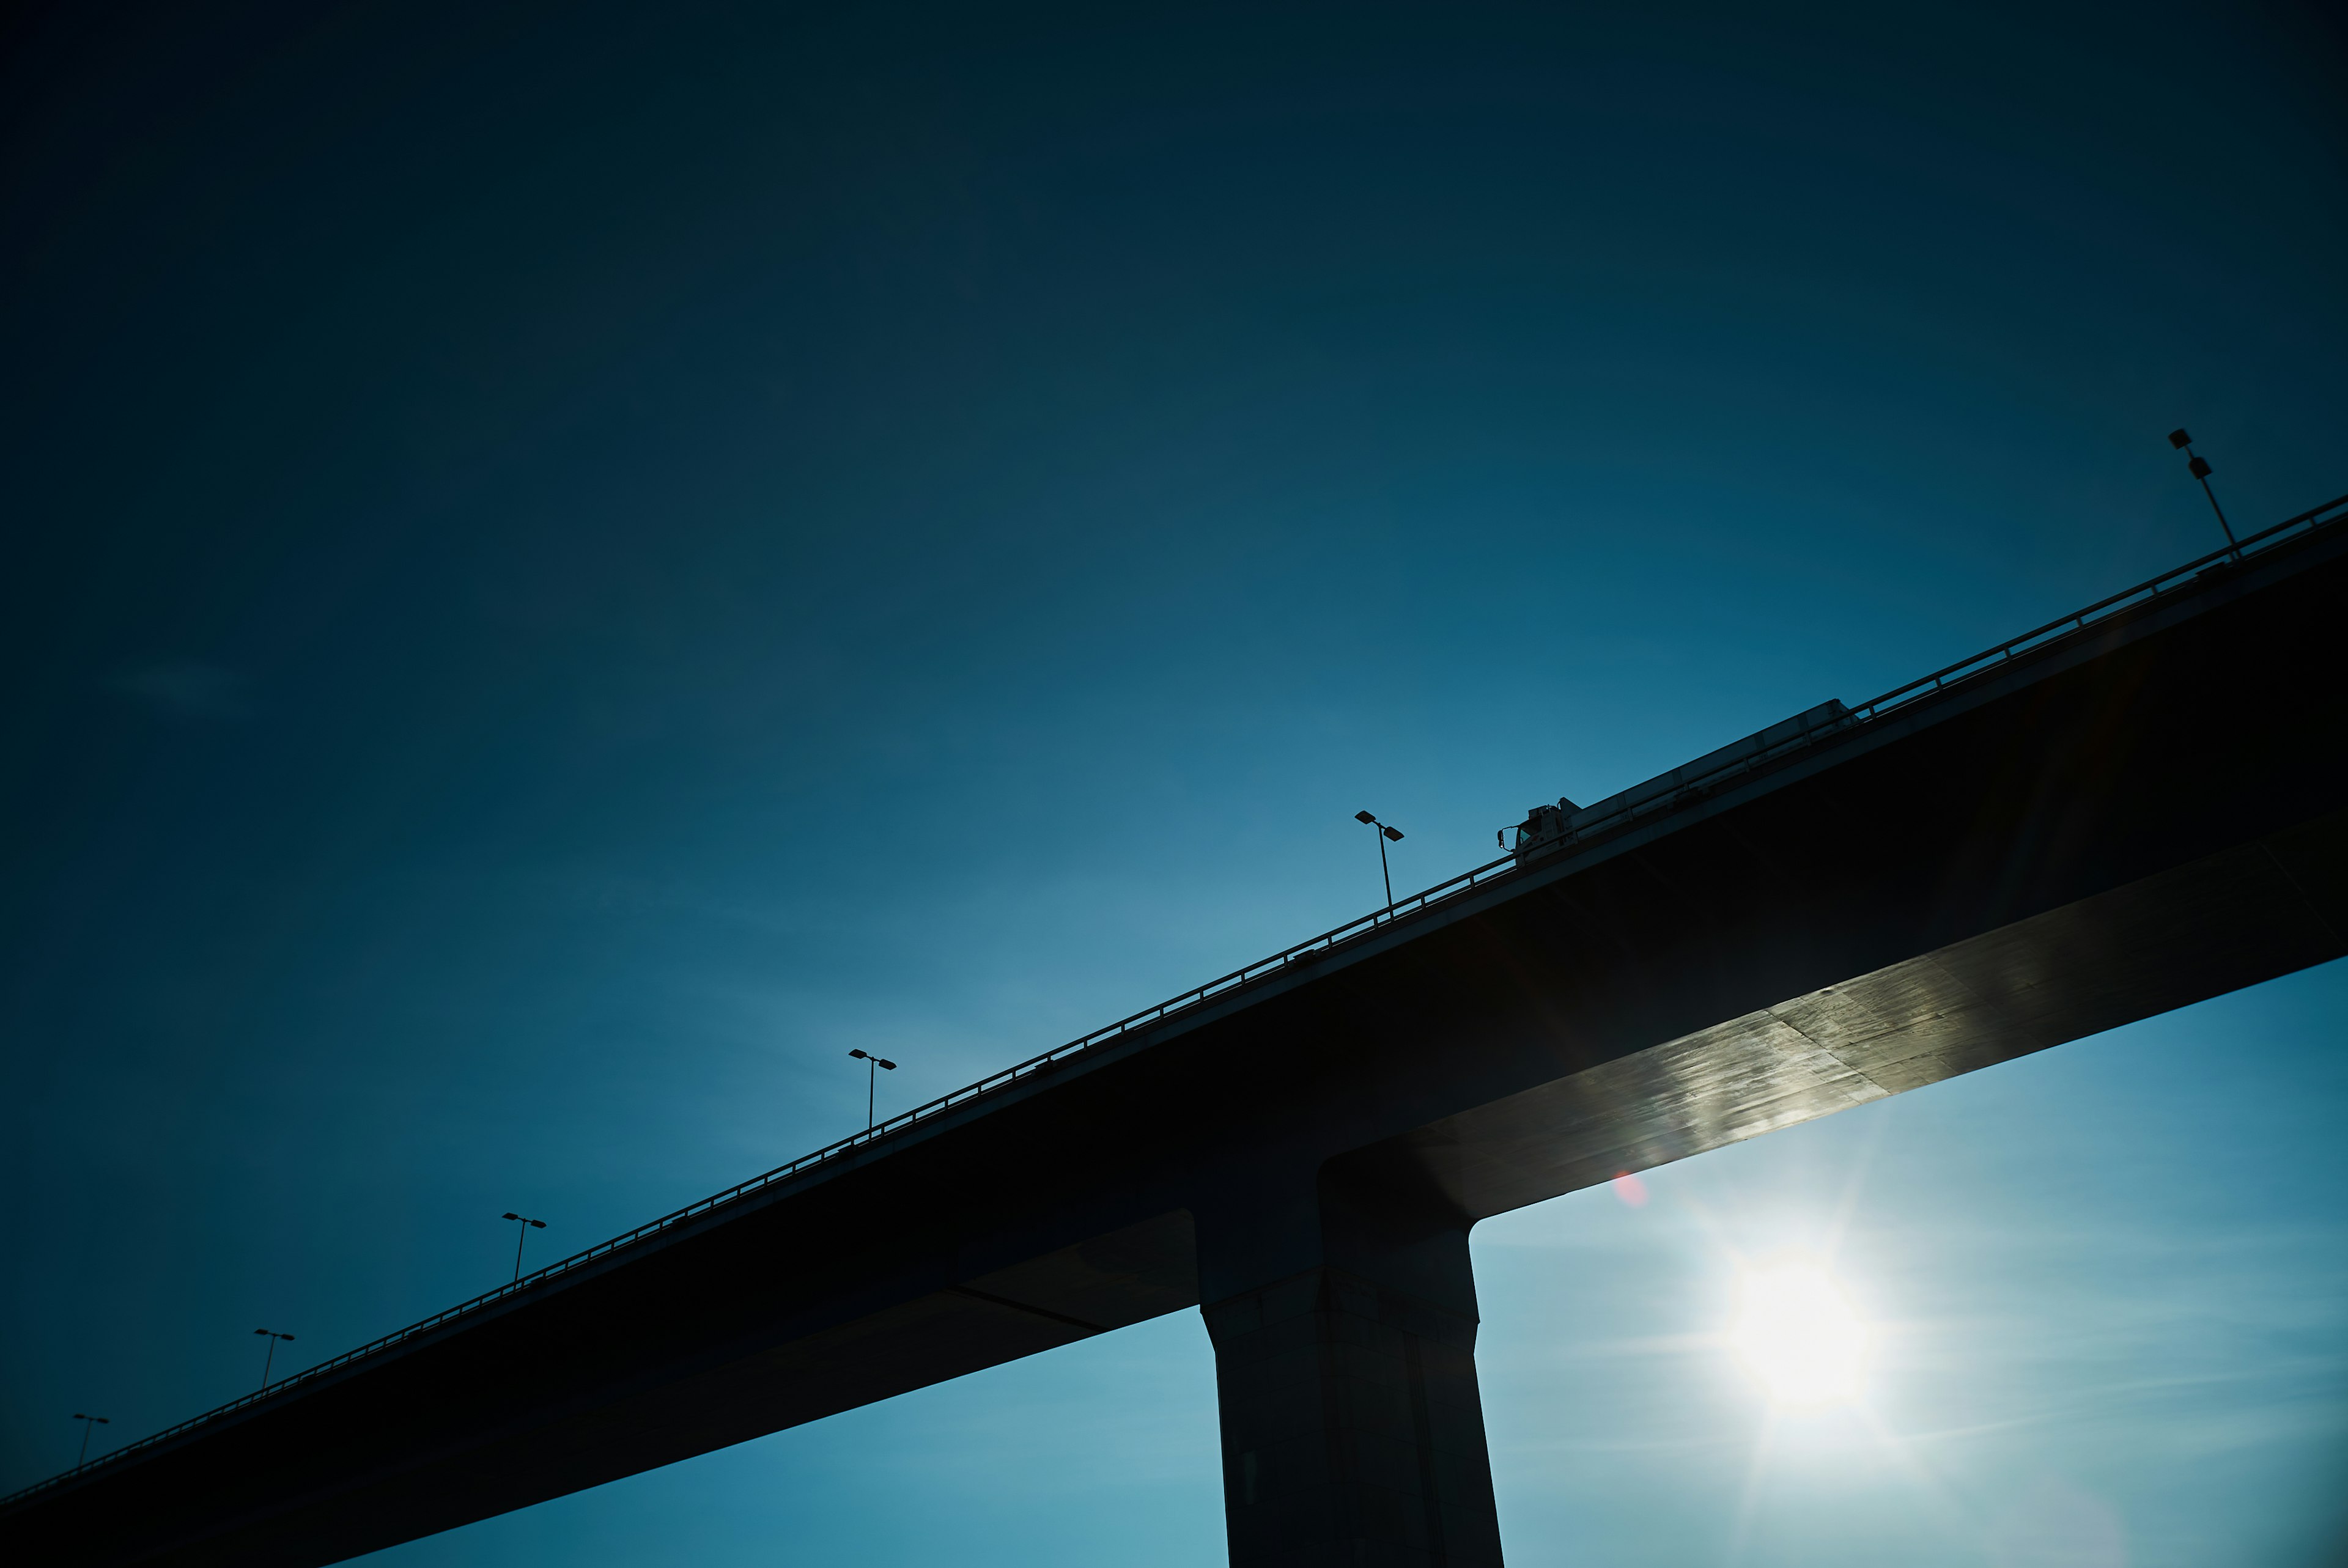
2129,811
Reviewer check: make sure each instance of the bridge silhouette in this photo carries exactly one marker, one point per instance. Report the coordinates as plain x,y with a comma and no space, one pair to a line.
2136,807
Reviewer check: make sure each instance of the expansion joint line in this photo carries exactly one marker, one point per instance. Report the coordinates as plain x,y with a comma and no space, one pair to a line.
1027,1307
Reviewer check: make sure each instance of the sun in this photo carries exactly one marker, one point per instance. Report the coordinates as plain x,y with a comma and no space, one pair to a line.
1800,1335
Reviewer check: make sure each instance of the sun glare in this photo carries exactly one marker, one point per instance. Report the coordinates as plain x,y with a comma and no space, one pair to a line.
1800,1335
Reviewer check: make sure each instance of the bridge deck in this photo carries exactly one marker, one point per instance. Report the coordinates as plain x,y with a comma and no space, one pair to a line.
2106,820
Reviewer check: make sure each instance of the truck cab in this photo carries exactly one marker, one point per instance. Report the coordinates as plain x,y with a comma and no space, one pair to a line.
1543,829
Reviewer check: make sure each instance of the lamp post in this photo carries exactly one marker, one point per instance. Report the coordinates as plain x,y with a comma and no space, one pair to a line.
88,1425
1383,834
270,1359
521,1234
870,1079
2199,466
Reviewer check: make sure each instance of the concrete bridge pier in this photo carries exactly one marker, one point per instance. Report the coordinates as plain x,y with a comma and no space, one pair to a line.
1344,1323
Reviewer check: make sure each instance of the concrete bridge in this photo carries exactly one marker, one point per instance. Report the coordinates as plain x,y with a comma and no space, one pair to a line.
2140,807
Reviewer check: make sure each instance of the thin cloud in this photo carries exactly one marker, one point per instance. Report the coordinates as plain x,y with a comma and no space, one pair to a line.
189,691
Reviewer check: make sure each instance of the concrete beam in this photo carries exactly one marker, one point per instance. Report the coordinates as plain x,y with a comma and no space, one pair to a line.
2112,825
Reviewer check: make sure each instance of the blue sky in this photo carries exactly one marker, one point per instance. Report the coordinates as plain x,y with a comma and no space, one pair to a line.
569,568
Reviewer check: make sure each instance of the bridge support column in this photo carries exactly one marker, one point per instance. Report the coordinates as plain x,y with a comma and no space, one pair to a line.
1352,1430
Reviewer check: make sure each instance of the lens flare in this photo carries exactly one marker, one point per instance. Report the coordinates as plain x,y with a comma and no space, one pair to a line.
1798,1333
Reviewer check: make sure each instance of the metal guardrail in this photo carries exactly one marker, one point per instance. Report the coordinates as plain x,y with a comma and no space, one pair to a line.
2330,514
1923,686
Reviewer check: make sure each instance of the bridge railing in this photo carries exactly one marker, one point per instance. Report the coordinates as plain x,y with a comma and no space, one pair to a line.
1303,953
1638,802
2169,581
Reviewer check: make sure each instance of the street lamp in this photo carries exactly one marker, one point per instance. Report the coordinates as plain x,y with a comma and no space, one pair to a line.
2199,466
870,1079
521,1234
270,1359
88,1425
1384,833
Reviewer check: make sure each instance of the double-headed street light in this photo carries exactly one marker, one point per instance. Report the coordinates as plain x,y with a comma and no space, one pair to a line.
2199,466
270,1359
521,1234
1383,834
88,1425
870,1079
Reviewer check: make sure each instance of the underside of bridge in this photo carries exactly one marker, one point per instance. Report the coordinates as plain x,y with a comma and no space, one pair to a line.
2143,815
